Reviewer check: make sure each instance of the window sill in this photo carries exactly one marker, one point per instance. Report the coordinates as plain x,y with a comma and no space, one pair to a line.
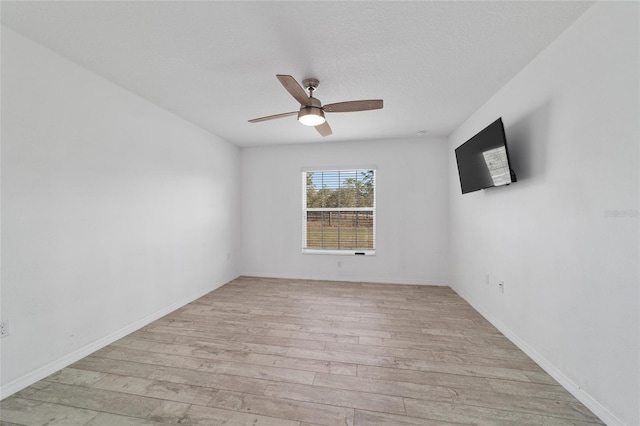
340,252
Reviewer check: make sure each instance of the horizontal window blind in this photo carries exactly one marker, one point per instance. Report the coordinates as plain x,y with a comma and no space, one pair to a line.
338,210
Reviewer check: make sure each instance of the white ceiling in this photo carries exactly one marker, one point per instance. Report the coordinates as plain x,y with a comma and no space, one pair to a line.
214,63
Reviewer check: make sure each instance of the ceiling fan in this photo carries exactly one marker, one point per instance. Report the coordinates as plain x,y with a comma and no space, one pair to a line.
311,111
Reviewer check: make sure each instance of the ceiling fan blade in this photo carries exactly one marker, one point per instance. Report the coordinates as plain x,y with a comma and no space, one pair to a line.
294,89
271,117
352,106
324,129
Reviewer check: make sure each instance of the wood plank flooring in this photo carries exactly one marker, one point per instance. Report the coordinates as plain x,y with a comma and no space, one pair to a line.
289,352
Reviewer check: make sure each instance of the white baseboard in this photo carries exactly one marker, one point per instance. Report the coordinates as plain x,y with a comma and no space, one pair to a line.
42,372
360,279
574,389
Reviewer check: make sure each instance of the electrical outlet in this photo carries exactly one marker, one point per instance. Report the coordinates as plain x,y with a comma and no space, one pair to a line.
501,286
4,329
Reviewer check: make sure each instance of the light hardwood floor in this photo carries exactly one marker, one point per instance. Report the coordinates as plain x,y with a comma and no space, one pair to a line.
289,352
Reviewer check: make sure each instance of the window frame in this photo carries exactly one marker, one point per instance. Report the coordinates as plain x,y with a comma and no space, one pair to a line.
305,209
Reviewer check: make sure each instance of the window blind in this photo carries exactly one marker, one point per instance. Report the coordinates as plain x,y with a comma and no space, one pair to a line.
338,211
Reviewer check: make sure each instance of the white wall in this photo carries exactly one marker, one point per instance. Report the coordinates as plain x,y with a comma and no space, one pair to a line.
114,211
565,238
411,228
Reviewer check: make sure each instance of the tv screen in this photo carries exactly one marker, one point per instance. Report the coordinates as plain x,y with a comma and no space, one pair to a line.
483,160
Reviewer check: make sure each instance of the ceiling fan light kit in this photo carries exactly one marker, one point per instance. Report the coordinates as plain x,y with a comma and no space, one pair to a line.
311,116
311,111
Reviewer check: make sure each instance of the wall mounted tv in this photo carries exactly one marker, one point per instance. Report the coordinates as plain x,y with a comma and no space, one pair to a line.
483,160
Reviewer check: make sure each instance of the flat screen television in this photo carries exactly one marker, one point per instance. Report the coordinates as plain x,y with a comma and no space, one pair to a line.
483,160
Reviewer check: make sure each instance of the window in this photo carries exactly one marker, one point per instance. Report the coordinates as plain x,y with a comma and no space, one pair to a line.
339,211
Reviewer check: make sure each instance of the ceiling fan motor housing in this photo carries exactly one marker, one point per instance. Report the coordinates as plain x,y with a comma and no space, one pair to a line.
311,115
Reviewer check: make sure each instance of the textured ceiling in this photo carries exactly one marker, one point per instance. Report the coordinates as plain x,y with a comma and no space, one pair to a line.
214,63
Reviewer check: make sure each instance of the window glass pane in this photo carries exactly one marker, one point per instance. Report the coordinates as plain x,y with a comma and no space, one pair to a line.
364,229
340,230
340,189
365,188
313,200
314,229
